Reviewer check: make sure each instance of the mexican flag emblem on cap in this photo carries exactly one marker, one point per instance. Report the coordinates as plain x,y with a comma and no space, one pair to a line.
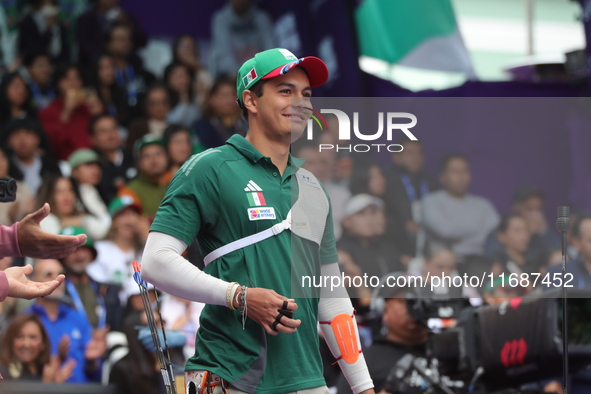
249,77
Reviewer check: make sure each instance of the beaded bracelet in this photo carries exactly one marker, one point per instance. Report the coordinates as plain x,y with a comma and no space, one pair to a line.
229,300
243,306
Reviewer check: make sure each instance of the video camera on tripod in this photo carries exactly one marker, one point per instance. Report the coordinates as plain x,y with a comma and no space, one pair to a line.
499,347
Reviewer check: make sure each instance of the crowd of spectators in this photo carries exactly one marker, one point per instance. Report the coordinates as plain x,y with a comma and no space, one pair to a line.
86,127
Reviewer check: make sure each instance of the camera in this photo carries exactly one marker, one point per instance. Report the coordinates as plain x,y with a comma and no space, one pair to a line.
7,190
495,348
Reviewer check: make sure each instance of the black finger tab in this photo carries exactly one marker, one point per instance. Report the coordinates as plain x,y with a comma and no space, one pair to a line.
286,313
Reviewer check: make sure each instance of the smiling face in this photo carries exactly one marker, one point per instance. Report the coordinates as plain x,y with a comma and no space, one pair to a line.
28,343
279,112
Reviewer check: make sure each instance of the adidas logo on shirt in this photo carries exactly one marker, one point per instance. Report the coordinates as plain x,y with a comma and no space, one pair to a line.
254,194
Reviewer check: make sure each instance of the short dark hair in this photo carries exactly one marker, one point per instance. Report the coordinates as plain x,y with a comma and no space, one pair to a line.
257,89
524,193
506,220
30,57
61,72
96,118
449,157
577,224
115,26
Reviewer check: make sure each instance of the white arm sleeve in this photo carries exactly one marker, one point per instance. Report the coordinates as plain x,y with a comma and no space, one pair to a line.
165,268
333,303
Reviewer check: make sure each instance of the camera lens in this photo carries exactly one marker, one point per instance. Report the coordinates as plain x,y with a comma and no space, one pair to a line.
11,188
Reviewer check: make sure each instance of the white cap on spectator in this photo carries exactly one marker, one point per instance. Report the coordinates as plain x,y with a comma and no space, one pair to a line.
361,201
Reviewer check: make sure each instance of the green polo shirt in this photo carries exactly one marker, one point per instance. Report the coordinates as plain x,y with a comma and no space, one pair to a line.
212,197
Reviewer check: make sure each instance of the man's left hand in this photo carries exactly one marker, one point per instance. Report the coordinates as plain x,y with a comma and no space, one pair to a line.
20,287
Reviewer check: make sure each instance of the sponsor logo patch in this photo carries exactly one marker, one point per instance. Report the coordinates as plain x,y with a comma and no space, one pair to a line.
267,213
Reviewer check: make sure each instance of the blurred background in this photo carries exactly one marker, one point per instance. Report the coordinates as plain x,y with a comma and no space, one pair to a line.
102,101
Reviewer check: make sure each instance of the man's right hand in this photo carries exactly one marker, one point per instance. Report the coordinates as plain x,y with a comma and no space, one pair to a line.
262,307
36,243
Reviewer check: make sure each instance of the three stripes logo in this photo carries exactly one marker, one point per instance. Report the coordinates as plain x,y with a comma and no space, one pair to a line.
254,194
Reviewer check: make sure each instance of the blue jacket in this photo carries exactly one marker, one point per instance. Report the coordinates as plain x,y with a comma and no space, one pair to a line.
581,277
69,322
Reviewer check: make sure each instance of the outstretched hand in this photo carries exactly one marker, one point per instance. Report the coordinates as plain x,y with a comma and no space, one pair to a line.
20,287
37,243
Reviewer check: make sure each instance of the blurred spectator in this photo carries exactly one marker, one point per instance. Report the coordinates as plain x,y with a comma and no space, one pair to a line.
529,203
222,117
87,173
12,212
41,30
364,225
113,96
15,99
360,295
82,289
513,234
500,290
149,187
403,336
185,51
138,371
179,81
26,353
182,315
441,263
124,243
27,148
118,165
94,25
157,109
66,119
36,71
455,218
6,55
580,268
67,210
343,169
177,140
70,333
238,32
367,177
129,71
409,183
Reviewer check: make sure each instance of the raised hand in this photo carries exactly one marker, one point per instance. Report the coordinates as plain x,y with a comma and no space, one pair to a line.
37,243
20,287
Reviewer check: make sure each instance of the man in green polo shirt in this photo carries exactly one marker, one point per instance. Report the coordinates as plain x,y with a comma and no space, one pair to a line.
226,194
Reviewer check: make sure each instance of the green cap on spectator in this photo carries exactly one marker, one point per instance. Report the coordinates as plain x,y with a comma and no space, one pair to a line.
73,230
83,156
145,141
122,202
275,62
